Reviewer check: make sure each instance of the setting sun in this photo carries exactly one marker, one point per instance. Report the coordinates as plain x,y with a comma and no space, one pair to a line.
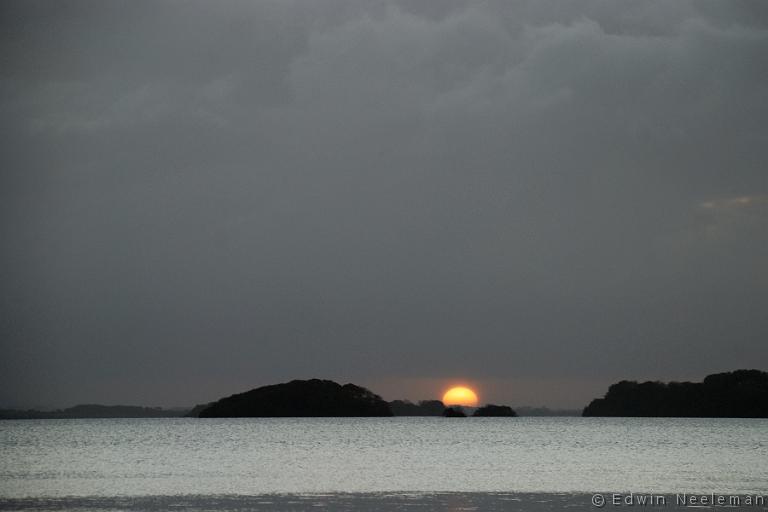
460,395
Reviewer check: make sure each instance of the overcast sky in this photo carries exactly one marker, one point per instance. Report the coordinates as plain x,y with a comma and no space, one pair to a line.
536,198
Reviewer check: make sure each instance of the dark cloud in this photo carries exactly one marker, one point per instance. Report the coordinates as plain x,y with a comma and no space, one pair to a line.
198,198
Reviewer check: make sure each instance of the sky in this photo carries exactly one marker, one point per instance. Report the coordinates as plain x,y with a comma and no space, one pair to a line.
535,198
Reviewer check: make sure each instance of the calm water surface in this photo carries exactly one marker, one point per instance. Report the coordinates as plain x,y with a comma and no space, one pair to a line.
147,457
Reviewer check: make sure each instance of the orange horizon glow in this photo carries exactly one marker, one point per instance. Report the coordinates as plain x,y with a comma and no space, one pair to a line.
460,395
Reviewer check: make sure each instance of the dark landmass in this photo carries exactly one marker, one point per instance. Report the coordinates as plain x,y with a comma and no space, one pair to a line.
546,411
454,412
300,398
196,410
491,410
92,411
738,394
423,408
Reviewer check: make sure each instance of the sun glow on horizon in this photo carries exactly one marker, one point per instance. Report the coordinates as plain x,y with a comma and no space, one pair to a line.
460,395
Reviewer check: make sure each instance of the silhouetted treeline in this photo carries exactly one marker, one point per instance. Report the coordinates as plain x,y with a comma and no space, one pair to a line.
546,411
423,408
311,398
92,411
738,394
491,410
454,412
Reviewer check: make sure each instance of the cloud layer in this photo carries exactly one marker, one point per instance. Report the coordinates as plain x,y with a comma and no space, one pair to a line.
199,198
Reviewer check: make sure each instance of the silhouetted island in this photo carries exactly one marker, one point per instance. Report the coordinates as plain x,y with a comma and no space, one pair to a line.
423,408
491,410
311,398
454,412
738,394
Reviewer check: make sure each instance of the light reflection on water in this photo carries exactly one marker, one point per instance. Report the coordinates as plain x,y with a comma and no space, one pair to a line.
141,457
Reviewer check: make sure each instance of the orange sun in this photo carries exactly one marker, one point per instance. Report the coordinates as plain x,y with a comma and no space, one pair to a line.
460,395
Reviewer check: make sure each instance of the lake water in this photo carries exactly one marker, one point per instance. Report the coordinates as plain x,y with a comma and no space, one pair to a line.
43,460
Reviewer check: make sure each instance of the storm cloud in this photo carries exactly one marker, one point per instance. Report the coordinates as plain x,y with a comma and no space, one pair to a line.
536,197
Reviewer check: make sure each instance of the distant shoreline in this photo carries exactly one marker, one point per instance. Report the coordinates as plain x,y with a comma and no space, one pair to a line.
139,412
737,394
